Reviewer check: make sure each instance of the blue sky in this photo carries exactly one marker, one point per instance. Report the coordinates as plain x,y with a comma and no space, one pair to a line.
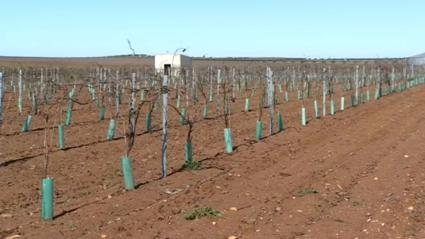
303,28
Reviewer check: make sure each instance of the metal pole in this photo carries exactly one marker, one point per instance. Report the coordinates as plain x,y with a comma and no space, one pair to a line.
270,92
219,81
164,124
117,94
324,92
211,84
392,79
174,54
20,89
133,91
1,97
233,84
356,78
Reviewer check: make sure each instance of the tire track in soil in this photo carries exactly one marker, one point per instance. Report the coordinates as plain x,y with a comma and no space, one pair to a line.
352,182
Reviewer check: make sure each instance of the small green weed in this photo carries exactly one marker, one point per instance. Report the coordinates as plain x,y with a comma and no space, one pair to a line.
192,165
306,191
202,212
72,227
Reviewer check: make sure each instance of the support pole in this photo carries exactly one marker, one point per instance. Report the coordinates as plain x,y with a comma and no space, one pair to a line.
1,98
270,97
356,79
164,124
20,89
324,92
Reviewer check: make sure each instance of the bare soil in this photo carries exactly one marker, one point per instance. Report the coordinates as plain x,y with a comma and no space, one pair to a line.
358,174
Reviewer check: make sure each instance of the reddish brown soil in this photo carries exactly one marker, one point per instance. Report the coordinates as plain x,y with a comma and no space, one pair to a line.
366,165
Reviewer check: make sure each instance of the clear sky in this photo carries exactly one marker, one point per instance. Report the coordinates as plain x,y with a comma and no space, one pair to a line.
296,28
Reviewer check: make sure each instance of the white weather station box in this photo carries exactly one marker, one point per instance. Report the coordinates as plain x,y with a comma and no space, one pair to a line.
178,63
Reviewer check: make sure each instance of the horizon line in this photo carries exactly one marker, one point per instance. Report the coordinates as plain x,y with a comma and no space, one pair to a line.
217,58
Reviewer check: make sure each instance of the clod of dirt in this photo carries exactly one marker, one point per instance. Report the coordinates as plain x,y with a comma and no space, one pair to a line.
13,237
173,191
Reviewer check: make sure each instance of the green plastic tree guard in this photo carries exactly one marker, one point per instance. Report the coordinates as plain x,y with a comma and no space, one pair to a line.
333,107
303,116
47,193
97,101
378,94
259,130
34,103
205,113
102,110
68,116
149,122
142,94
247,105
27,124
188,152
29,121
210,98
128,173
61,136
228,140
111,130
227,109
280,122
316,109
178,102
183,116
362,98
353,100
342,103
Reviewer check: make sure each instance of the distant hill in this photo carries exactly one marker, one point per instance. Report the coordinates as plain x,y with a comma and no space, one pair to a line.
146,56
417,59
419,56
77,57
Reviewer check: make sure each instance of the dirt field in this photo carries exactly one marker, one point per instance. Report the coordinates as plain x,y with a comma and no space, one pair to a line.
358,174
